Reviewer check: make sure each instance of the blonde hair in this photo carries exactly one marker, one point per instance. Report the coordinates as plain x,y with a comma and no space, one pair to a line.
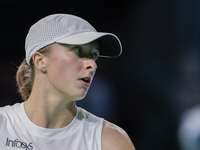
26,73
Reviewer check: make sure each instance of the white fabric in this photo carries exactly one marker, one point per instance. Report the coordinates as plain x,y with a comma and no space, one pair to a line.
69,29
17,132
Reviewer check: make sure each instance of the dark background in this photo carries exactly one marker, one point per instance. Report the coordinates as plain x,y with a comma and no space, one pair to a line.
150,85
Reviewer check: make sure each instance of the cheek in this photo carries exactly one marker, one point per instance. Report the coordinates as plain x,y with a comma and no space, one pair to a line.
65,70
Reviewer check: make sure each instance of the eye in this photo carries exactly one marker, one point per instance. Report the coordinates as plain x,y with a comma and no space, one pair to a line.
95,57
77,50
95,54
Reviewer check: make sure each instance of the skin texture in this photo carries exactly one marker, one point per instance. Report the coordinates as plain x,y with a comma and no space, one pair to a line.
115,138
59,83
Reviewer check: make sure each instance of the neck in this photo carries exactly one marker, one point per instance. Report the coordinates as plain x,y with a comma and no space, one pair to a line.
48,107
46,116
48,110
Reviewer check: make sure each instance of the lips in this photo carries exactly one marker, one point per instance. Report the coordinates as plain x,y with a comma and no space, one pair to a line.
85,81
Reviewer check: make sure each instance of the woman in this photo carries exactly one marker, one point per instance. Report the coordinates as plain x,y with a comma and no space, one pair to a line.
61,53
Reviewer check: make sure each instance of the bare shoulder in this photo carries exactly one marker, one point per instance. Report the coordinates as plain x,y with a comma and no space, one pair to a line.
115,138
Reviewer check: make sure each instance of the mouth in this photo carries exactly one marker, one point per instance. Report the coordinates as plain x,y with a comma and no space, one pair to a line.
85,81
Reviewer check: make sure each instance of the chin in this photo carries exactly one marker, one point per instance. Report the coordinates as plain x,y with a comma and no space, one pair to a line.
80,97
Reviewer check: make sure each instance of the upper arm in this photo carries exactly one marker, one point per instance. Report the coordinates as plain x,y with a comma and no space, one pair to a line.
115,138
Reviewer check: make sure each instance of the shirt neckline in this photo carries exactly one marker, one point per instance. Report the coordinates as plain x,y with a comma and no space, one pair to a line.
46,132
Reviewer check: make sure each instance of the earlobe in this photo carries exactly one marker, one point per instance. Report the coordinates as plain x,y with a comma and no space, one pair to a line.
40,61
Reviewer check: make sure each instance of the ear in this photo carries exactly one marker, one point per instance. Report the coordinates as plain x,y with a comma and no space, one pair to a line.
40,61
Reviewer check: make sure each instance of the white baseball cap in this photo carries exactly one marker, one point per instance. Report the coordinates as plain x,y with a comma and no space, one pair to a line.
69,29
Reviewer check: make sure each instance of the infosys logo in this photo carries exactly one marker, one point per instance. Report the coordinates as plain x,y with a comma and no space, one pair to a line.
18,144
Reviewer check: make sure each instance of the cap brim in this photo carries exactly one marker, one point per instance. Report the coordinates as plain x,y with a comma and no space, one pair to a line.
110,45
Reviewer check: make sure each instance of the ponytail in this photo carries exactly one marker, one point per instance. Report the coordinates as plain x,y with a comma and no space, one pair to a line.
25,78
25,75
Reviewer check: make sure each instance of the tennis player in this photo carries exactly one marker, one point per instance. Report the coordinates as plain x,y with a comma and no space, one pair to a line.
60,64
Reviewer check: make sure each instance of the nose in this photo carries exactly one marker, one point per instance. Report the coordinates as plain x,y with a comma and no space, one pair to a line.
90,65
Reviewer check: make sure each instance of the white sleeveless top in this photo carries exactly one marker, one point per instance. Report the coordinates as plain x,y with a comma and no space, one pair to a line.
17,132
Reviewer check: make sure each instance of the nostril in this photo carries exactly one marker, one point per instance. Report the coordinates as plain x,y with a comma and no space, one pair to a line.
89,67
